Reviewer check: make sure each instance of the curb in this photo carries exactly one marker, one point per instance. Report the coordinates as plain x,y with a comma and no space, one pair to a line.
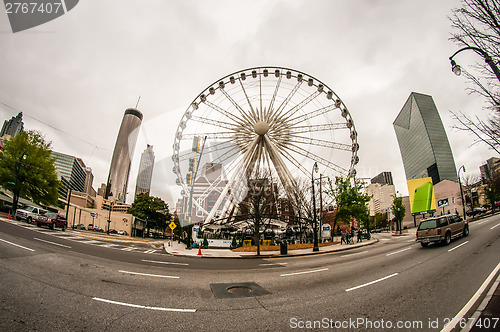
273,256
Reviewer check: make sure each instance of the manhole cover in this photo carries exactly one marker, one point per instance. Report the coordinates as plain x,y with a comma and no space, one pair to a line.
239,290
235,290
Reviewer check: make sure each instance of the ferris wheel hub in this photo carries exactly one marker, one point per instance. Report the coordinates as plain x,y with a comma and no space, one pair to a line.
261,128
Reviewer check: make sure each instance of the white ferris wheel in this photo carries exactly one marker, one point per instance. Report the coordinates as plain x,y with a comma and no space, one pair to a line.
263,118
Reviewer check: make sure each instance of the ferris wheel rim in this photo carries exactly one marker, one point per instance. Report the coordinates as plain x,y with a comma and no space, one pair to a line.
251,72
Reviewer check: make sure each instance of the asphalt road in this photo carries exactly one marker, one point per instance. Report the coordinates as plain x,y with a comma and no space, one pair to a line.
56,281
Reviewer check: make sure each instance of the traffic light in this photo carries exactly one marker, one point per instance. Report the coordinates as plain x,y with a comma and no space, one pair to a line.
196,143
192,164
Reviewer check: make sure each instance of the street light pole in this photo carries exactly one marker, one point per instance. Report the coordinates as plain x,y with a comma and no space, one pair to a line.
315,248
457,70
461,192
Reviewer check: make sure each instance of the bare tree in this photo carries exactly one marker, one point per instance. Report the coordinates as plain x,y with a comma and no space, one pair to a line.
259,205
476,25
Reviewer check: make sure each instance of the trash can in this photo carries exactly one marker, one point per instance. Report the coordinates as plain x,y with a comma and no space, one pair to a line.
283,248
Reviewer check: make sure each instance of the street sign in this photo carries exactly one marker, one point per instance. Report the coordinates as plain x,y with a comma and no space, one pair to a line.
172,225
93,214
443,203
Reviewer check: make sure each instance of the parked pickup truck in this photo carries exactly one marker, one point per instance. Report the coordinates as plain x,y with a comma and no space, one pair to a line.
29,213
441,229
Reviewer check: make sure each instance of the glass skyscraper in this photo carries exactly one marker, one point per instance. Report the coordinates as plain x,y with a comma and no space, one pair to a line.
119,169
13,127
143,184
423,142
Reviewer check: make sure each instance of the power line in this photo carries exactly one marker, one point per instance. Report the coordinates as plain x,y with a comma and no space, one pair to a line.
57,129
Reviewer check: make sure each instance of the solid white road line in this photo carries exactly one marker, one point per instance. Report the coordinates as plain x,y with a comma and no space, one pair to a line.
270,264
471,302
305,272
56,244
495,226
160,262
371,283
17,245
143,306
397,252
356,253
458,246
149,275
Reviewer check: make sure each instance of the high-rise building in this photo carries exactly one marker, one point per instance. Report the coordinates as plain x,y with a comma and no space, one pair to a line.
382,196
70,172
143,184
383,178
119,169
487,169
13,127
423,142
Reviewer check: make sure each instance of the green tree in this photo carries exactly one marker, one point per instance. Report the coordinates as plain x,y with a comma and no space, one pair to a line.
151,209
27,169
398,210
349,199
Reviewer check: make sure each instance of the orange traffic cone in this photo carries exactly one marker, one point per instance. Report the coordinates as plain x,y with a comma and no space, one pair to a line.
9,214
199,250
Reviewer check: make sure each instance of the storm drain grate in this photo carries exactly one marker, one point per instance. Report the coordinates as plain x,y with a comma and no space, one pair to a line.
236,290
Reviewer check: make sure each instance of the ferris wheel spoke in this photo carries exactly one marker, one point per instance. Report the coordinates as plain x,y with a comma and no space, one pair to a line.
271,104
319,159
217,123
243,113
317,128
294,161
312,114
286,101
214,147
218,135
318,142
227,155
255,116
224,112
282,117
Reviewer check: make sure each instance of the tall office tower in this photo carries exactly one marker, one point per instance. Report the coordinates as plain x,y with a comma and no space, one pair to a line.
70,171
13,127
384,178
423,142
143,184
119,169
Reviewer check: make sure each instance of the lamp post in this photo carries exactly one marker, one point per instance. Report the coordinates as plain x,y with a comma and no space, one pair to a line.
315,169
109,216
461,192
457,70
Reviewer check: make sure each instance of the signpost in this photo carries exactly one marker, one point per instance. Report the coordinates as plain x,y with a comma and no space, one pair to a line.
172,226
442,203
93,215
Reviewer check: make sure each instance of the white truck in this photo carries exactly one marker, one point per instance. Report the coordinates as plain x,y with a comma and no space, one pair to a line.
29,213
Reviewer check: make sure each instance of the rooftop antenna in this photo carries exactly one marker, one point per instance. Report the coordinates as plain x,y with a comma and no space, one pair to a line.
138,100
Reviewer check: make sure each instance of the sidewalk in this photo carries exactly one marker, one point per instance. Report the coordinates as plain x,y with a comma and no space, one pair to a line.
179,249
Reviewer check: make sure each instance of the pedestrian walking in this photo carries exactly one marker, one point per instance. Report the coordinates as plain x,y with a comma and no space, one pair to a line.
359,235
343,238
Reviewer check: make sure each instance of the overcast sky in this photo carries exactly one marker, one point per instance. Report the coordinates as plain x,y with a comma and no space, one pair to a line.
74,77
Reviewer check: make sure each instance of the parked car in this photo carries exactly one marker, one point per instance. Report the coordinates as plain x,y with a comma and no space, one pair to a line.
78,226
476,211
29,213
52,220
122,233
113,231
441,229
98,228
90,227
